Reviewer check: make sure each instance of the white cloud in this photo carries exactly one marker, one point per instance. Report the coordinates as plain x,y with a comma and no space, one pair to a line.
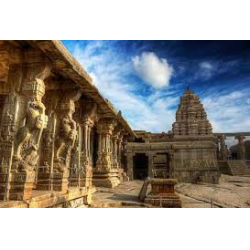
153,70
151,113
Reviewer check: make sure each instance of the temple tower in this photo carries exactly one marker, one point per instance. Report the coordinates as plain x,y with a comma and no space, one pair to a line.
191,117
194,145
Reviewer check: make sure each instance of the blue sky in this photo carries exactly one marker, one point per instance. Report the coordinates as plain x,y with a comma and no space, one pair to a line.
145,79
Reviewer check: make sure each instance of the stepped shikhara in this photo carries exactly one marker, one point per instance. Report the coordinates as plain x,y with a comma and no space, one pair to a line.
195,148
191,118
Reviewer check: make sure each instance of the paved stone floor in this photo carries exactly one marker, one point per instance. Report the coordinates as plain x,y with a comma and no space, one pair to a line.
232,191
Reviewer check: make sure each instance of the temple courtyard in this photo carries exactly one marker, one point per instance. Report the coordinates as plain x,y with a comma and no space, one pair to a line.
65,145
231,192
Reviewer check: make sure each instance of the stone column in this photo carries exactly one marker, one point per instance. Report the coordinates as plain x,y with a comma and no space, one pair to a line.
45,170
31,122
76,168
65,139
119,151
104,130
7,131
86,153
115,163
92,147
241,147
89,140
104,174
10,110
130,165
150,164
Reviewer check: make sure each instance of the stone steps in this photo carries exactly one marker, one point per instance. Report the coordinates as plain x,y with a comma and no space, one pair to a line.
239,167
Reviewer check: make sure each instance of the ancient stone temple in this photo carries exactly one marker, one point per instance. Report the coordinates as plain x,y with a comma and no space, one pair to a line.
58,135
60,138
187,153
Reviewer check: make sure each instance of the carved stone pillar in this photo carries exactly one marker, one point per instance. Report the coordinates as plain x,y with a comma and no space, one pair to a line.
241,147
64,142
86,162
150,165
104,175
130,165
10,111
105,129
119,151
55,170
7,132
92,134
76,168
26,151
115,163
45,170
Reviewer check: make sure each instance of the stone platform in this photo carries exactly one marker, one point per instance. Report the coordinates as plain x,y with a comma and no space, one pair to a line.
163,194
73,198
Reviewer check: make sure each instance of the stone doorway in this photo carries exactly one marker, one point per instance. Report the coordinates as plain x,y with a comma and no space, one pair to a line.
140,166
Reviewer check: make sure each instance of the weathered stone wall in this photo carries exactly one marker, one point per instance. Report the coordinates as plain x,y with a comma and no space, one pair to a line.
195,162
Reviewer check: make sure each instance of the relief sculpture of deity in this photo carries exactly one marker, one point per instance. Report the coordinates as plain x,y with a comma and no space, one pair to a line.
67,134
28,136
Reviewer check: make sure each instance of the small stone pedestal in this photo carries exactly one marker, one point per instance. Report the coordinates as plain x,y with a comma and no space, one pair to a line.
163,194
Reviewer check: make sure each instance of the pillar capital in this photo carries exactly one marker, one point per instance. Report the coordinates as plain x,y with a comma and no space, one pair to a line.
106,126
87,121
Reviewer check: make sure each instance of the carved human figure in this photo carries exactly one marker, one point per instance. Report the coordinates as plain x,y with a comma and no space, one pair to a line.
66,135
35,121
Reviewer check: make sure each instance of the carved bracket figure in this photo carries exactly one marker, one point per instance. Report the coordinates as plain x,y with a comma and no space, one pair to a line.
35,122
67,131
28,136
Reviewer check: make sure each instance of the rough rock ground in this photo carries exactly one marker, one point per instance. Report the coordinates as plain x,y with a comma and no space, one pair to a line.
232,191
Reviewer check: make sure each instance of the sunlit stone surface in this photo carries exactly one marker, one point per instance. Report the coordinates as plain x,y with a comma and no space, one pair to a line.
61,140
